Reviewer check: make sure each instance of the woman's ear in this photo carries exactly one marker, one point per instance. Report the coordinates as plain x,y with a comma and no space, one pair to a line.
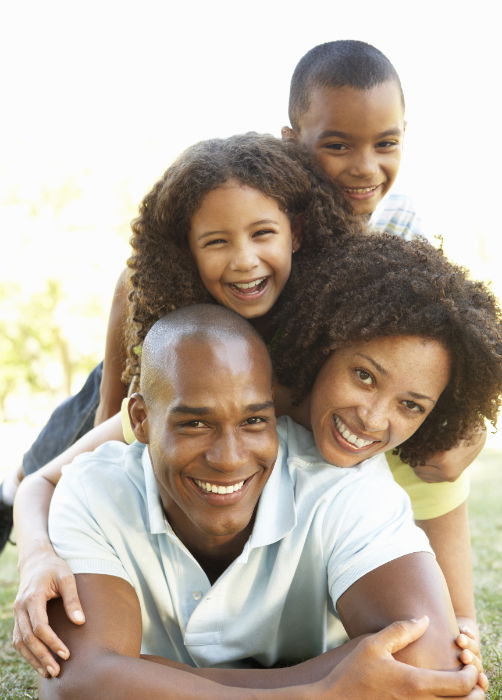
297,232
138,417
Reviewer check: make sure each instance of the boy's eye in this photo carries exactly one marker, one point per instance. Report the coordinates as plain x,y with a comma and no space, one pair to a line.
414,407
387,145
335,146
364,376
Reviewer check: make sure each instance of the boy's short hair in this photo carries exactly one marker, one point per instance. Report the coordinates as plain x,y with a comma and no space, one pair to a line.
337,64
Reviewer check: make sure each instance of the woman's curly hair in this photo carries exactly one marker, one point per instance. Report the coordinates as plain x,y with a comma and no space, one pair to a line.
163,273
379,285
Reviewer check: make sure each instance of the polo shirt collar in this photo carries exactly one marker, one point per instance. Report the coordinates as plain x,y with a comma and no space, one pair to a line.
275,516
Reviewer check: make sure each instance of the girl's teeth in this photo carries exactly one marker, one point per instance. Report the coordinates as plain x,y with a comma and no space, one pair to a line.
249,285
217,488
350,437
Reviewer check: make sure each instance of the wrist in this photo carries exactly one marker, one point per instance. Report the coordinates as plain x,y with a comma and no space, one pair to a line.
39,547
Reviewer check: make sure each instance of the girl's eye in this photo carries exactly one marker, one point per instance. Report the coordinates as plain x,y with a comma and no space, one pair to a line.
262,232
414,407
214,241
364,376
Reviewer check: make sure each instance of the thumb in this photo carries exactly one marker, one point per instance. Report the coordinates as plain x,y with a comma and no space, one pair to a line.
71,601
399,634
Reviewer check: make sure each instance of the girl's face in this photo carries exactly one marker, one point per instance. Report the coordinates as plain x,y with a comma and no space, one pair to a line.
242,244
371,396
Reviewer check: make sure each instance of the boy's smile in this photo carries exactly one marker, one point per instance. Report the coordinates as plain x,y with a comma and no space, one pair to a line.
242,244
371,396
211,435
356,135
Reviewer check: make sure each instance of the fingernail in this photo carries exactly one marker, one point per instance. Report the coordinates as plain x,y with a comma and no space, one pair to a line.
51,671
63,654
78,616
467,656
462,639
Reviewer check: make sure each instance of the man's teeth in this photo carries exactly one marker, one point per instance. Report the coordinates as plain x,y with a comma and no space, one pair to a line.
249,285
217,488
350,437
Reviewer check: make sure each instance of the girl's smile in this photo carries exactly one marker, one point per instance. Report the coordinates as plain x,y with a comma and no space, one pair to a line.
242,244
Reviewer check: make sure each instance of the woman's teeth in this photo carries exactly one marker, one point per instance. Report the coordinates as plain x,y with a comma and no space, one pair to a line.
360,190
350,437
217,488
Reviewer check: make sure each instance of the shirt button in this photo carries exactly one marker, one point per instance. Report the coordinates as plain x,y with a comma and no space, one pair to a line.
196,595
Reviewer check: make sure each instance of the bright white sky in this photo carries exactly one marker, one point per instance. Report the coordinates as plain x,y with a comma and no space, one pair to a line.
116,89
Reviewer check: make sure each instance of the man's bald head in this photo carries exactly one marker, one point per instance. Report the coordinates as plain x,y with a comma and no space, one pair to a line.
202,324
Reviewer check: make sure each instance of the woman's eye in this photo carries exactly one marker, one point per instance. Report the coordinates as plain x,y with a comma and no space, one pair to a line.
364,376
414,407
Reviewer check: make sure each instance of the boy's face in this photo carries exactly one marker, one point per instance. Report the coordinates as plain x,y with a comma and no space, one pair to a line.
356,135
211,434
242,244
373,395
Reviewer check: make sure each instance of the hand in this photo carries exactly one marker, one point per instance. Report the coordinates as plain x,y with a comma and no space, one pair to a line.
468,641
449,464
41,580
370,671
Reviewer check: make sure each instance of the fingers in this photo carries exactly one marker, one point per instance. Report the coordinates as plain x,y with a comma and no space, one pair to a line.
71,601
32,649
399,634
449,684
34,638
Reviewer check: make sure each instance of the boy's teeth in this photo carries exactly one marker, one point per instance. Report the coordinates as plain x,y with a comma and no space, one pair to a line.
217,488
350,437
249,285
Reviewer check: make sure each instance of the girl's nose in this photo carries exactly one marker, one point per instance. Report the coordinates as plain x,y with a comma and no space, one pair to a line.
244,259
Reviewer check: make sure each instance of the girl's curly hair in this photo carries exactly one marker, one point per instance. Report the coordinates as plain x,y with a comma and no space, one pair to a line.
379,285
163,273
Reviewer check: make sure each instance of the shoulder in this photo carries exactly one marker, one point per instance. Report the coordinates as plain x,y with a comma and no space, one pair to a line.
396,214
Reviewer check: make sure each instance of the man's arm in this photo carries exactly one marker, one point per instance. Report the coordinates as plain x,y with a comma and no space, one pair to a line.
112,390
106,662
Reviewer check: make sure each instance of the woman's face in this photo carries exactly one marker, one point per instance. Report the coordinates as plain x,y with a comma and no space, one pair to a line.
242,244
371,396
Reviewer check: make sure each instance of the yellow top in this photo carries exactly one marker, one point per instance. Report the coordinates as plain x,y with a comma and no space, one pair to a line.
428,500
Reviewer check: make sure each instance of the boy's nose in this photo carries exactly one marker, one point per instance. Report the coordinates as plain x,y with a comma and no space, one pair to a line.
364,164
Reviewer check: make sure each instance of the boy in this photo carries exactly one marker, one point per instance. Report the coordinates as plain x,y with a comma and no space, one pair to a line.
209,525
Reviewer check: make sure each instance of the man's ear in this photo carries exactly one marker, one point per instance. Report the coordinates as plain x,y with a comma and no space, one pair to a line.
138,417
288,134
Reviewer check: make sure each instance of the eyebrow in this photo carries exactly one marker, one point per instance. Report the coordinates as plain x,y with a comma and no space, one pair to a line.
383,371
329,133
205,410
260,222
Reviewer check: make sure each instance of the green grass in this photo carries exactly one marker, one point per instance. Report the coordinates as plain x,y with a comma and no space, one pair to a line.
18,681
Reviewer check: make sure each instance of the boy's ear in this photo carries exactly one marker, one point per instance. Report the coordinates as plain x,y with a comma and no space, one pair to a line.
138,417
288,134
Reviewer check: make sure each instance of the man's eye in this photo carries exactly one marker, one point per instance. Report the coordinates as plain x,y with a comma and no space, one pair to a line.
194,424
364,376
256,420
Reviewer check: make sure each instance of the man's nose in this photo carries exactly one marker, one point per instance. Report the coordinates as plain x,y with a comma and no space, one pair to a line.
226,453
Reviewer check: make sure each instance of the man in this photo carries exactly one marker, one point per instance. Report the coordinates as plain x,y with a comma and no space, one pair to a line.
219,551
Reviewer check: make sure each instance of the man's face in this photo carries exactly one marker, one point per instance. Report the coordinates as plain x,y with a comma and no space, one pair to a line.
356,135
211,434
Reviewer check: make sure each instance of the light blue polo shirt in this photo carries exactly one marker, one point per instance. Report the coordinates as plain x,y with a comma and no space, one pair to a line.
318,529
